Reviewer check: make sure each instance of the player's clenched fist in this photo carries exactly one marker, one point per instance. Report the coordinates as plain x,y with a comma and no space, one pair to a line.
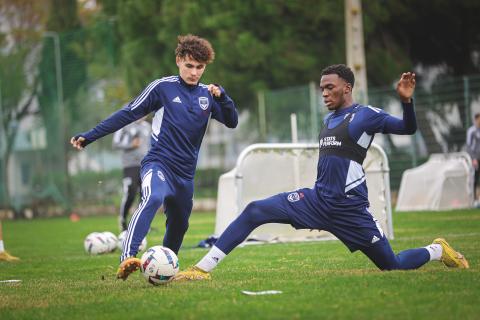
215,90
77,142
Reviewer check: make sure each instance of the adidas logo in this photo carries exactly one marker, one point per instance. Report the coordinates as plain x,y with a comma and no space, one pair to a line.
215,259
177,99
375,239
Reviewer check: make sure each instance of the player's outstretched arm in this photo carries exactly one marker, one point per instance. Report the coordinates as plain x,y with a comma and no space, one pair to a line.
145,103
406,87
113,123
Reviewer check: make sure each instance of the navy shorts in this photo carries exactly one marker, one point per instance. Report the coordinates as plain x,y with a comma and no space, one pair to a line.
350,222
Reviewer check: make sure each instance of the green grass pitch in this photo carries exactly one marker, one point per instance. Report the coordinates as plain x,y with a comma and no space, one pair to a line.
319,280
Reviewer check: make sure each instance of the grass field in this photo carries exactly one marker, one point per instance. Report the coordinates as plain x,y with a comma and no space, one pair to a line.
320,280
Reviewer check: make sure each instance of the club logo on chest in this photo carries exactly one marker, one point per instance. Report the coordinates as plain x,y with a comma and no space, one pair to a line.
203,102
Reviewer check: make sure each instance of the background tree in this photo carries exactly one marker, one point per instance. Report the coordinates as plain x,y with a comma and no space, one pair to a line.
440,34
21,22
58,104
63,22
259,44
274,44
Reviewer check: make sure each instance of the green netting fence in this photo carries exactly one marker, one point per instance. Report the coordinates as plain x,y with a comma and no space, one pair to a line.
444,110
77,81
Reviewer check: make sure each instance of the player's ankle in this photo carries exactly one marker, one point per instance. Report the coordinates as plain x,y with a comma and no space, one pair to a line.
200,269
435,250
211,259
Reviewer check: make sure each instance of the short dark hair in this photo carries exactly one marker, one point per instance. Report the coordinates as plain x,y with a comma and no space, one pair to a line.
342,71
476,116
198,48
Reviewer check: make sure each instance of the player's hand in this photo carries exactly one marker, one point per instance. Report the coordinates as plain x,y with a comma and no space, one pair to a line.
78,142
406,87
215,90
475,163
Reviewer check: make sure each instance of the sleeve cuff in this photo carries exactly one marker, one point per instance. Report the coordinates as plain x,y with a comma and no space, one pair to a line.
408,103
86,142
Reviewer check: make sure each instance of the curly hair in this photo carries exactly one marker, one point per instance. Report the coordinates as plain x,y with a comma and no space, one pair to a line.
342,71
197,48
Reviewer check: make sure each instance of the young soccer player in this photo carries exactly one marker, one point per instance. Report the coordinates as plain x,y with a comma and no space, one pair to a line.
182,107
338,201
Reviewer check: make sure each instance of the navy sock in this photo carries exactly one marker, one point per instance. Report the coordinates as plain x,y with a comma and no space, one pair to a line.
385,259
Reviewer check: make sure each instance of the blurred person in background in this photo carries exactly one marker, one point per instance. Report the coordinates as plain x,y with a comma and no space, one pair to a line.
4,255
473,149
182,108
133,141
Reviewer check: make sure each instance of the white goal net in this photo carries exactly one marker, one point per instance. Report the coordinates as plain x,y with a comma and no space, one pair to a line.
263,170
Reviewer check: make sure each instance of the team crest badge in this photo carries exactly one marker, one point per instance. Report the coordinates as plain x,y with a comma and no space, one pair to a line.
294,196
203,102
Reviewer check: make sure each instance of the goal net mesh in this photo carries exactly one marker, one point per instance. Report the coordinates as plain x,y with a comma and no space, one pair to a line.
263,170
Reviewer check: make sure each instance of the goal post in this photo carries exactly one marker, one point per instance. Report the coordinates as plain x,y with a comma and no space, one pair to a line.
265,169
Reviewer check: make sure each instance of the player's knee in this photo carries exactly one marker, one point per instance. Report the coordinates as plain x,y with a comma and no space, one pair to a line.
253,212
155,200
390,265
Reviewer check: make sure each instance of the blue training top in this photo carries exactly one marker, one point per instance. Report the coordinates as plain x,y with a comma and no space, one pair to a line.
342,180
181,116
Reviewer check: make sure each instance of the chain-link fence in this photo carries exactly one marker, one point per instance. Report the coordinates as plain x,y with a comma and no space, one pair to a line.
444,111
74,83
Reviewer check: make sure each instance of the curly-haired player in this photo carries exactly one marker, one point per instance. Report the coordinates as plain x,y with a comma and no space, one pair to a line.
182,107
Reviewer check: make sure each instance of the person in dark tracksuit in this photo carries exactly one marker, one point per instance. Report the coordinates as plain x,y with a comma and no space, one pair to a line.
133,141
473,149
182,107
338,202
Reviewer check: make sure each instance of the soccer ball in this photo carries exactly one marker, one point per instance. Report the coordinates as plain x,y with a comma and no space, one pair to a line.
121,238
96,243
159,265
111,240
